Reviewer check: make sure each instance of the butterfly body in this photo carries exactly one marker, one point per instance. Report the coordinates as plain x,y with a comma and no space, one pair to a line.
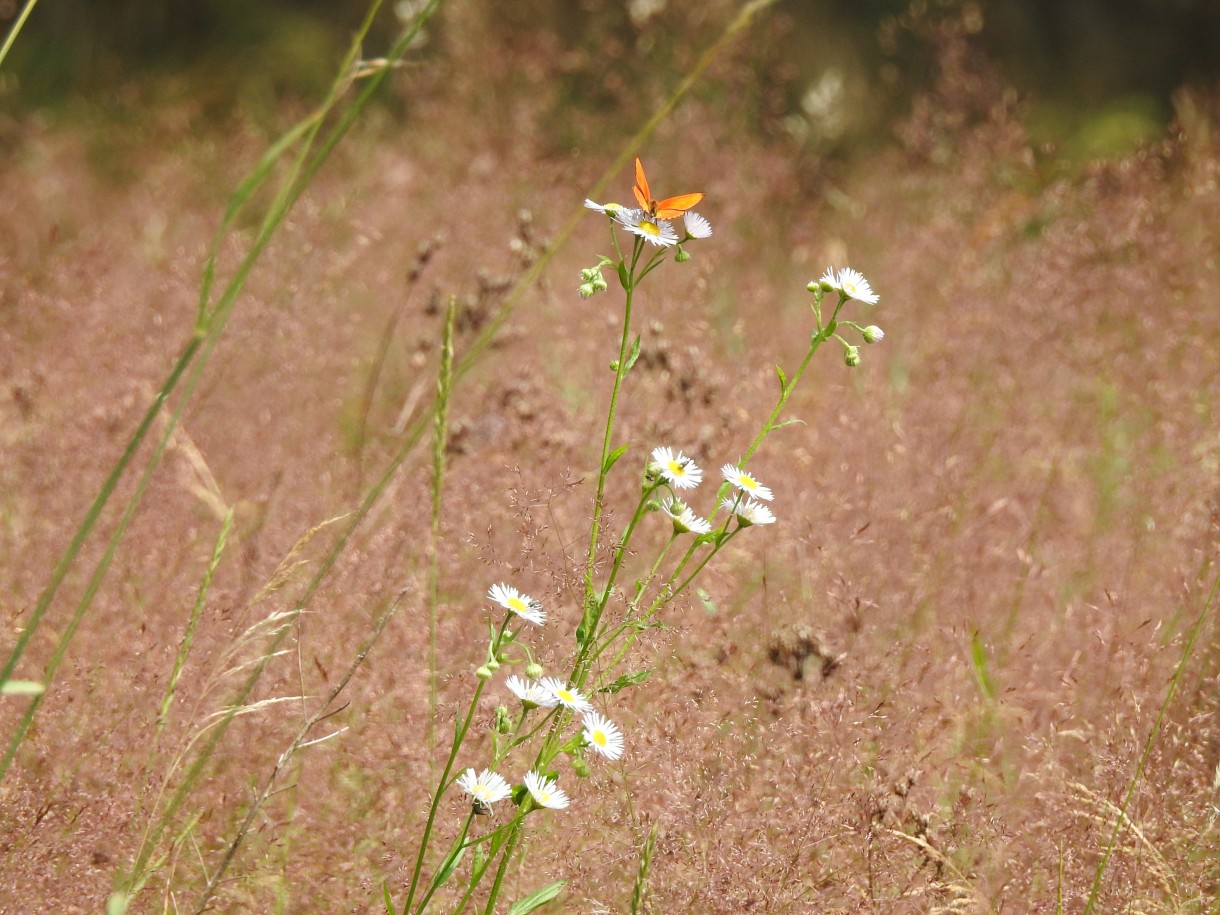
670,207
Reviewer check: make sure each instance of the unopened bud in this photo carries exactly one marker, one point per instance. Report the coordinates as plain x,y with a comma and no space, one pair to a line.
851,356
580,768
484,673
534,671
504,721
682,256
873,334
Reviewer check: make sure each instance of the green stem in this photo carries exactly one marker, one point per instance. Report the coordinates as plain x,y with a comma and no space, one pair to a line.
459,735
589,623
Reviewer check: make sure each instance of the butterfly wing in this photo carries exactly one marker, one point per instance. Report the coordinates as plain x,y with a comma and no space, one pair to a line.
673,207
642,194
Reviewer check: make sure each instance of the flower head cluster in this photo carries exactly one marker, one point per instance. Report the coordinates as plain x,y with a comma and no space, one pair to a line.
684,518
603,735
532,693
677,470
654,229
514,601
850,283
545,791
486,788
748,512
565,695
746,482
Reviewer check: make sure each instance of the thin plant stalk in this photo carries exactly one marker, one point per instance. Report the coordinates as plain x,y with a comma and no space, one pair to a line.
1121,817
440,438
210,325
16,29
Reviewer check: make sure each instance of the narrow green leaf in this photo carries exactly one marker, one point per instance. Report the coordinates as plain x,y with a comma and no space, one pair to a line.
634,355
21,688
389,902
537,899
783,379
613,457
117,903
978,660
706,599
632,679
787,422
623,276
447,869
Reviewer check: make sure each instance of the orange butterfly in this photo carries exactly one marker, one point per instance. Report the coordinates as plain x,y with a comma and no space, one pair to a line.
670,207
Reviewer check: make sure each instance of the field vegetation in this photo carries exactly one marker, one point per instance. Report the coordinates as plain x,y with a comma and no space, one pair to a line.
974,666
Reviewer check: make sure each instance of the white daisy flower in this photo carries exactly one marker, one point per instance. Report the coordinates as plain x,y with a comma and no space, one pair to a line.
531,692
853,285
486,788
545,792
677,469
696,225
567,696
684,519
521,604
657,231
609,209
746,482
749,512
603,735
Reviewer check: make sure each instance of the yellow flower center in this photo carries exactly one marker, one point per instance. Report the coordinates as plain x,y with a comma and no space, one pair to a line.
516,604
677,469
565,695
599,738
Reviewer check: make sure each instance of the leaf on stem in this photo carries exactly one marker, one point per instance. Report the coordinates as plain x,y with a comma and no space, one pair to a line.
783,379
613,457
632,679
635,354
537,899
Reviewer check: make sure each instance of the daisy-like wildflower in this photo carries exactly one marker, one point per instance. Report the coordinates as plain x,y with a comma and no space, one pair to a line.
678,470
603,735
545,791
696,225
853,285
657,231
685,520
567,696
609,209
746,482
531,692
749,512
486,788
523,605
828,280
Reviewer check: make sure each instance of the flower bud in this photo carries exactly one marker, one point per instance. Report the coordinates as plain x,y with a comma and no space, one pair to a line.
682,256
484,673
580,768
493,665
851,356
504,721
586,290
534,671
599,282
873,334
